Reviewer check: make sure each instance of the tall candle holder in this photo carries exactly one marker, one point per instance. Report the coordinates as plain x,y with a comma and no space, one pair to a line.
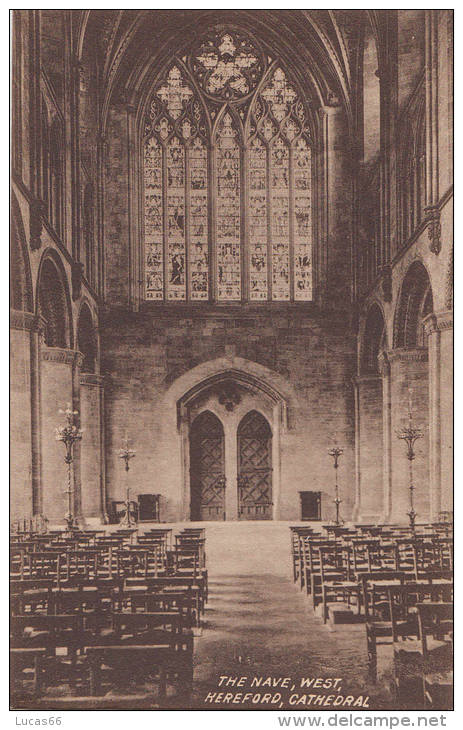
410,434
336,452
126,454
69,435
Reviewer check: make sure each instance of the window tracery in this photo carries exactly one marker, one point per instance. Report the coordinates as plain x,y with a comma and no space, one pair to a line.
227,179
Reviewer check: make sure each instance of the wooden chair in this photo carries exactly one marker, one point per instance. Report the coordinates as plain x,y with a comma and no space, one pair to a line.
141,645
34,641
435,621
174,583
312,578
335,583
375,599
406,640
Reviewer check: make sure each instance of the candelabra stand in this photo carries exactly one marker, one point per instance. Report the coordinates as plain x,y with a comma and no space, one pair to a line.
127,454
69,435
336,452
410,434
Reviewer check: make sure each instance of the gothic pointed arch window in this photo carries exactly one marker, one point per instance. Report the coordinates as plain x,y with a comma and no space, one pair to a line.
227,153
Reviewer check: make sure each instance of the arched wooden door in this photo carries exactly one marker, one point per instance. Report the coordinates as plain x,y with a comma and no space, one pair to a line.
254,468
207,468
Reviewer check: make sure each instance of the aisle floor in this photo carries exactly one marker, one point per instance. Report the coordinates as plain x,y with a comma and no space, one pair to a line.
258,624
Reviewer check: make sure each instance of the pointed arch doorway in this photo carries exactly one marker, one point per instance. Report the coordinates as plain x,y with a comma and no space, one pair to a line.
207,468
202,390
255,498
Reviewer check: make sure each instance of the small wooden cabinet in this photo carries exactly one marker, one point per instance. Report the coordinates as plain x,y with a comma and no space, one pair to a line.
311,505
148,507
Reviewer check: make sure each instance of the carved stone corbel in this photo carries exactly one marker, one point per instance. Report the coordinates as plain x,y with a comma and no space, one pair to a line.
332,99
434,229
384,364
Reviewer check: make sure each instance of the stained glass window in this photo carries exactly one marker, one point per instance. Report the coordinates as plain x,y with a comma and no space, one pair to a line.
227,170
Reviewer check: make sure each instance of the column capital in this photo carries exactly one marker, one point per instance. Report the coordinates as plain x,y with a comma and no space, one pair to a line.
62,355
408,354
438,321
369,378
384,363
26,321
329,110
92,379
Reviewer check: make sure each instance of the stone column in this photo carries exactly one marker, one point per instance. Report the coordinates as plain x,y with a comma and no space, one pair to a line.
21,335
385,370
76,404
335,199
368,447
26,458
93,503
432,130
59,368
409,370
439,329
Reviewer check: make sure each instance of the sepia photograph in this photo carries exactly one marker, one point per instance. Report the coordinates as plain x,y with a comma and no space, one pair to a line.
231,361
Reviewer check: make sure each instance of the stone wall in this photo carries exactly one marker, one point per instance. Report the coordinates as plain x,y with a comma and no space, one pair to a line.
146,353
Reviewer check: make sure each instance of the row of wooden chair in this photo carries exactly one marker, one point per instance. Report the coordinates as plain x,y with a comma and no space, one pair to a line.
93,653
387,577
94,617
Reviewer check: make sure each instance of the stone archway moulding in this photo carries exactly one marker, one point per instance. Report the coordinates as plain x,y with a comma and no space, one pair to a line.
250,374
254,378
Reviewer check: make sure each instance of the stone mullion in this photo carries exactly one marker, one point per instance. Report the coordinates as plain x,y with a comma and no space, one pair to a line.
165,218
268,194
186,224
244,223
212,227
291,226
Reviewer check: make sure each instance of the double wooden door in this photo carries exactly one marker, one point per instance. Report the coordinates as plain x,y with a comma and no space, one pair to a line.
253,479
